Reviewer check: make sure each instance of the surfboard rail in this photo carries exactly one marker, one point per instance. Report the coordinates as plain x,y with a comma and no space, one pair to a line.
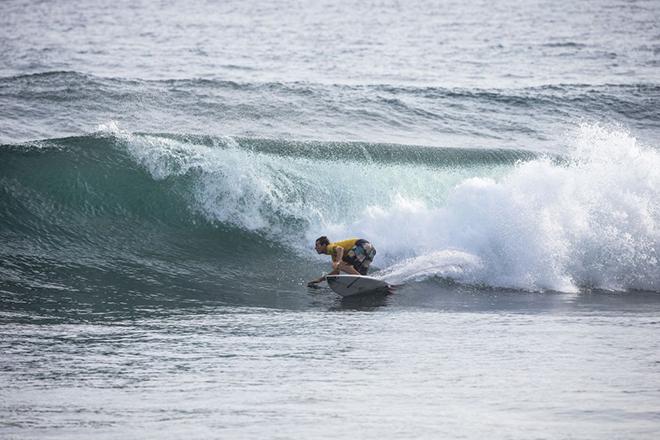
351,285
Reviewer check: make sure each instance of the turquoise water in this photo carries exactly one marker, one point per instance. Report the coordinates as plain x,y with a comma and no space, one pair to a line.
165,168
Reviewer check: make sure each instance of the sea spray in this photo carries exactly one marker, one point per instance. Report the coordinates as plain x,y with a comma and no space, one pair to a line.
288,191
591,221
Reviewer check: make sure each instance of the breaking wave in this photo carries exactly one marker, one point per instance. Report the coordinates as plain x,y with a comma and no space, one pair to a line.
171,204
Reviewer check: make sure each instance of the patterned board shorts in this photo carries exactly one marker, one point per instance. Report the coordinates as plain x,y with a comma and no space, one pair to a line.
360,256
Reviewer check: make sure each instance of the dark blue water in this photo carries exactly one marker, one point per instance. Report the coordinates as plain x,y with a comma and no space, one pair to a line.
165,167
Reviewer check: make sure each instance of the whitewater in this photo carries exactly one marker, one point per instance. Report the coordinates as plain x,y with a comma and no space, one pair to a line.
589,219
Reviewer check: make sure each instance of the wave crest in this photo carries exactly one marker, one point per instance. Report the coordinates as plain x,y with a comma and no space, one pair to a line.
490,217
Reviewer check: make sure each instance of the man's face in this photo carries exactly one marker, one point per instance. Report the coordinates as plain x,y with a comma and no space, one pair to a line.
320,248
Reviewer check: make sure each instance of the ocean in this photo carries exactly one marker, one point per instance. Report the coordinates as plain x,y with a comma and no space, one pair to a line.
166,166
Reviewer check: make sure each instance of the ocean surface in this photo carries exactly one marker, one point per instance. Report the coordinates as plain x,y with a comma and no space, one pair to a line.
166,166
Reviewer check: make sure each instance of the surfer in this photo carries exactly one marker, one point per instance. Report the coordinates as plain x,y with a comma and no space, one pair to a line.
352,256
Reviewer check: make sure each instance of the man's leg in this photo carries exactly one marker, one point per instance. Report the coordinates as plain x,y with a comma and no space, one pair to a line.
348,268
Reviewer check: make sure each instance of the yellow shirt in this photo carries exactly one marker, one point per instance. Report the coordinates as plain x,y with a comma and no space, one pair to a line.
346,244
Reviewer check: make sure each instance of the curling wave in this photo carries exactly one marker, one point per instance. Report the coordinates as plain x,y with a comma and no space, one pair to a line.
172,204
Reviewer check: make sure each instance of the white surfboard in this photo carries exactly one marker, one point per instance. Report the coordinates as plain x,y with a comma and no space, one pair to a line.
349,285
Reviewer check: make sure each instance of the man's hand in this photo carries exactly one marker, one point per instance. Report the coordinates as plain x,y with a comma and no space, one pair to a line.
314,283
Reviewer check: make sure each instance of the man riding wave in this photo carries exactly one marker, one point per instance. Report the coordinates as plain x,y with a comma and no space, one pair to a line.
352,256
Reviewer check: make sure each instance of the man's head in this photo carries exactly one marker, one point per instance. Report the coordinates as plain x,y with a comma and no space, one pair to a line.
321,244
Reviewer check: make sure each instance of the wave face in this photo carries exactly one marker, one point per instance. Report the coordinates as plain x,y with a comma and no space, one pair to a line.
142,212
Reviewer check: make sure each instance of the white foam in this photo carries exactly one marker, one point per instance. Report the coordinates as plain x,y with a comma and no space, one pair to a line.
450,263
592,221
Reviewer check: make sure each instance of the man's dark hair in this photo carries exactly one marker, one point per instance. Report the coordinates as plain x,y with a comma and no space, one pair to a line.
322,240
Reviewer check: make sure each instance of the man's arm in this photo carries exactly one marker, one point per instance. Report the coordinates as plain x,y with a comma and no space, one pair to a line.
336,262
339,264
